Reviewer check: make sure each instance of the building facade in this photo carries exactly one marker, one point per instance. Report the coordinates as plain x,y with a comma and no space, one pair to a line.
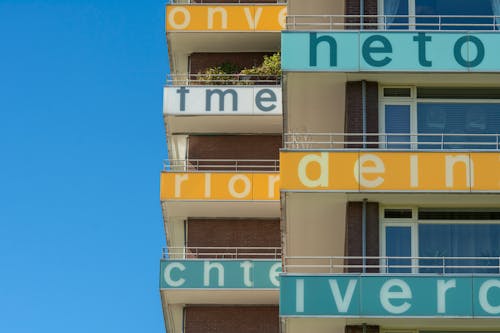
356,192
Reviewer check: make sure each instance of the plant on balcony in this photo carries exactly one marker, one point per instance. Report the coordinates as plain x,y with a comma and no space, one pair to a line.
224,73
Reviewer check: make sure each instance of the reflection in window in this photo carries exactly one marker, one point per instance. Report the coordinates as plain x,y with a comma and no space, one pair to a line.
396,14
398,244
466,121
459,240
439,12
397,122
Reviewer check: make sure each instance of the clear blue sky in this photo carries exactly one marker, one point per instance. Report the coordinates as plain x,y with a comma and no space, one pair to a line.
81,149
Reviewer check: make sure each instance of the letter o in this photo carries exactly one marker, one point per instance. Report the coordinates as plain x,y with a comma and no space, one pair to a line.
232,183
171,18
483,296
457,51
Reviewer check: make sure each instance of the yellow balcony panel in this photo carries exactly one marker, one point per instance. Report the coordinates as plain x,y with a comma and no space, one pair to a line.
406,171
219,186
225,18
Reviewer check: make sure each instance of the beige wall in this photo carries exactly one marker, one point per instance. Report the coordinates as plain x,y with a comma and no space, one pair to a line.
316,7
315,103
315,226
316,325
174,228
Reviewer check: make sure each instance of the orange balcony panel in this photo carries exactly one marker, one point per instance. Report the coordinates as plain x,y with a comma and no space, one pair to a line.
241,18
220,186
371,171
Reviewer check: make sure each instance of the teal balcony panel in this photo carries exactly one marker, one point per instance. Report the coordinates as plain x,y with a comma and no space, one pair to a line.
408,51
427,296
220,274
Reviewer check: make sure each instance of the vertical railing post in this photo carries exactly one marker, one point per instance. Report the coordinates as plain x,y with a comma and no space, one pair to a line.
444,265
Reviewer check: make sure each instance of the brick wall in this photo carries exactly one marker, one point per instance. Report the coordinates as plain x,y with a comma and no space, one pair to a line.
231,319
199,62
354,111
235,233
353,233
352,8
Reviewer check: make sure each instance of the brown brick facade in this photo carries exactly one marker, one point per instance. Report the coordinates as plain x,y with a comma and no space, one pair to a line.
199,62
353,234
352,7
354,111
234,233
231,319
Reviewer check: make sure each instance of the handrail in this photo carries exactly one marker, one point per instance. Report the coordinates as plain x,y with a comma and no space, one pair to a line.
191,253
386,22
194,165
222,79
393,141
390,264
216,2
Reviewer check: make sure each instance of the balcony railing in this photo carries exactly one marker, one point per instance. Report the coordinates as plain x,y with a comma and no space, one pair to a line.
222,80
195,165
392,22
395,142
388,265
221,253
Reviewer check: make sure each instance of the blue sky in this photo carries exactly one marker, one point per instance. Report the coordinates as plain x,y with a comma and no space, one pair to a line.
81,144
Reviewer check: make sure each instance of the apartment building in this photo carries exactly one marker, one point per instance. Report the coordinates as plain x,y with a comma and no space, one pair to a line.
389,170
220,185
356,193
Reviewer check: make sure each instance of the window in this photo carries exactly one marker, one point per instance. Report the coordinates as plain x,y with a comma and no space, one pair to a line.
442,118
471,236
440,14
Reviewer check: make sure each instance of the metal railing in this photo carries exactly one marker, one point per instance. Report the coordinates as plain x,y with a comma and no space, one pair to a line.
396,141
222,80
226,2
389,265
221,253
194,165
389,22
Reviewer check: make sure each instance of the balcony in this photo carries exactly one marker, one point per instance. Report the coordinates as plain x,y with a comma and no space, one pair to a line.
393,141
229,26
468,292
339,43
221,269
393,22
234,253
228,103
220,187
391,163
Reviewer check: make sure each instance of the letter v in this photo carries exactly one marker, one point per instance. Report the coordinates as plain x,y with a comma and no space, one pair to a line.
253,21
342,303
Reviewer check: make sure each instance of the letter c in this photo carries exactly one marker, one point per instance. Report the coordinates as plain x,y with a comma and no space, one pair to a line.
168,277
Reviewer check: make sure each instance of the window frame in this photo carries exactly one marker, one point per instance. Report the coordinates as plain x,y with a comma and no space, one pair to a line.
414,223
413,102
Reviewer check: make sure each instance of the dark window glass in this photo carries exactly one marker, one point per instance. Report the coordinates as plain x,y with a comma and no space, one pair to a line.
445,241
461,93
457,8
397,213
462,123
463,215
397,92
395,14
398,244
397,122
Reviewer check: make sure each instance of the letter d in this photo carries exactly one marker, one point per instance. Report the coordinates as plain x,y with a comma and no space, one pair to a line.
322,180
